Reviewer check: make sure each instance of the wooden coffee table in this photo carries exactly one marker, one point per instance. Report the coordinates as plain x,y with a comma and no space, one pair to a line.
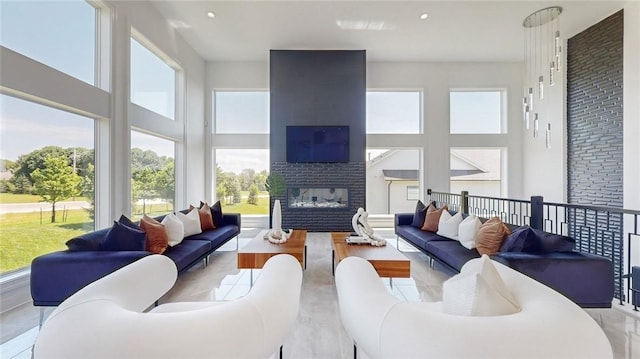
256,253
387,261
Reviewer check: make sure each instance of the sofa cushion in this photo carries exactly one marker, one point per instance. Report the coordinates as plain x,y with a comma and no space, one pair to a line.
467,231
191,222
432,218
417,237
529,240
448,225
418,215
206,218
187,252
216,236
91,241
491,235
216,212
124,238
587,279
157,237
522,239
175,229
128,222
478,291
451,252
549,242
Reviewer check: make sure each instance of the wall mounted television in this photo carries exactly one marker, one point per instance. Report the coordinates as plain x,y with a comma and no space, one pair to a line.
309,144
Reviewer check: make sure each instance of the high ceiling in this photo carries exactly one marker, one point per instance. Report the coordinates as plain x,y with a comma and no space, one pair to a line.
388,30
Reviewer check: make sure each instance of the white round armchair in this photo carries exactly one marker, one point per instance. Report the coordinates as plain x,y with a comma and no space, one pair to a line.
382,326
106,318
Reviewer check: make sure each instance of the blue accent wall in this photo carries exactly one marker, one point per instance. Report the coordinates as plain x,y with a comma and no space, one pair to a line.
319,88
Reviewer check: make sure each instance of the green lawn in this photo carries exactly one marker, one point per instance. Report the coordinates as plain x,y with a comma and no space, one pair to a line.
243,207
22,237
27,198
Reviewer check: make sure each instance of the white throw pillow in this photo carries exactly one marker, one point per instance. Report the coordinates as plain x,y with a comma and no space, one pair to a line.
175,229
191,222
467,231
449,227
478,291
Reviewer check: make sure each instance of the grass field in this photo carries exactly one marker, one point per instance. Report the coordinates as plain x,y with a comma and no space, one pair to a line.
22,237
27,198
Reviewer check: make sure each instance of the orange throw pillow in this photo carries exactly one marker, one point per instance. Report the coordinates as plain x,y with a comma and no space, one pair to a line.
206,218
490,236
157,237
432,218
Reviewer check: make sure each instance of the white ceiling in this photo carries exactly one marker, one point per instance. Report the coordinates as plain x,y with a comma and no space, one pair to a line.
454,31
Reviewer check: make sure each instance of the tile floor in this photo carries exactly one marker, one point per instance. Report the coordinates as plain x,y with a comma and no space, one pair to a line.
318,332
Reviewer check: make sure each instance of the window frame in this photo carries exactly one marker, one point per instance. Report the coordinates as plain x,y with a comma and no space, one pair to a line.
502,122
419,92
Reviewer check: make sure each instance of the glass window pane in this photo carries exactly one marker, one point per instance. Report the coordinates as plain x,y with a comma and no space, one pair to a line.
477,170
389,174
413,193
393,112
475,112
153,81
46,163
153,179
241,111
240,176
59,34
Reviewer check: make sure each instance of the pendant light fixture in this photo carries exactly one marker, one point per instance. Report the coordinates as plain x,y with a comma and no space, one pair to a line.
543,58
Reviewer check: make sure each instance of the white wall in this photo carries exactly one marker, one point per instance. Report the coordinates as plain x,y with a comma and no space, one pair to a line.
435,79
545,171
631,114
187,130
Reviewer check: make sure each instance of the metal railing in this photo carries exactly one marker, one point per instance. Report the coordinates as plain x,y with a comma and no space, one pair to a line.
597,230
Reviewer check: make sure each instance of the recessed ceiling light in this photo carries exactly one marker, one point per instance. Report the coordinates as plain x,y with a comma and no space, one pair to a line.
211,14
424,16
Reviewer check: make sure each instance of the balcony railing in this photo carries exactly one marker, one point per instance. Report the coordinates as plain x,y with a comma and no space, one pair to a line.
606,231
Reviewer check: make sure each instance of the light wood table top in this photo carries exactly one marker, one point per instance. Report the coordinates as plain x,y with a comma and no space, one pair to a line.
386,260
256,253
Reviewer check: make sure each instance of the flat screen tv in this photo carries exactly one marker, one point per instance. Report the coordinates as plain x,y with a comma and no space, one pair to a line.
309,144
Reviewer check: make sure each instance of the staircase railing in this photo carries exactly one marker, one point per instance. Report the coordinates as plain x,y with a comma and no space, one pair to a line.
596,229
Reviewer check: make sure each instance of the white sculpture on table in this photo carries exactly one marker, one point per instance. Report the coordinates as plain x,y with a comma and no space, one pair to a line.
361,226
276,234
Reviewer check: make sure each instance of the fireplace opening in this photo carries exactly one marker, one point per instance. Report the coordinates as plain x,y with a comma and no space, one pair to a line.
324,197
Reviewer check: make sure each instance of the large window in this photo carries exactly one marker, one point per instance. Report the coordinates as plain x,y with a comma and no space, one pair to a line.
59,34
46,180
394,112
240,177
153,81
477,170
476,112
152,175
393,180
241,112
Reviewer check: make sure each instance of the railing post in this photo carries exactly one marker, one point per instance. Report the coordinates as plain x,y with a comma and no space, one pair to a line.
537,212
464,201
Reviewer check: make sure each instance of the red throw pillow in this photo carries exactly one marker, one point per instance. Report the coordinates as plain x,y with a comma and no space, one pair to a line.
157,237
432,218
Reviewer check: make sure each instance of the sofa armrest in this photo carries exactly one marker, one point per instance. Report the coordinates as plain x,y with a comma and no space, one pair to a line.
231,218
403,219
56,276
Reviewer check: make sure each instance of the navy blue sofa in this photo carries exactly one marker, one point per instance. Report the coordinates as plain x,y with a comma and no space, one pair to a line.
56,276
586,279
